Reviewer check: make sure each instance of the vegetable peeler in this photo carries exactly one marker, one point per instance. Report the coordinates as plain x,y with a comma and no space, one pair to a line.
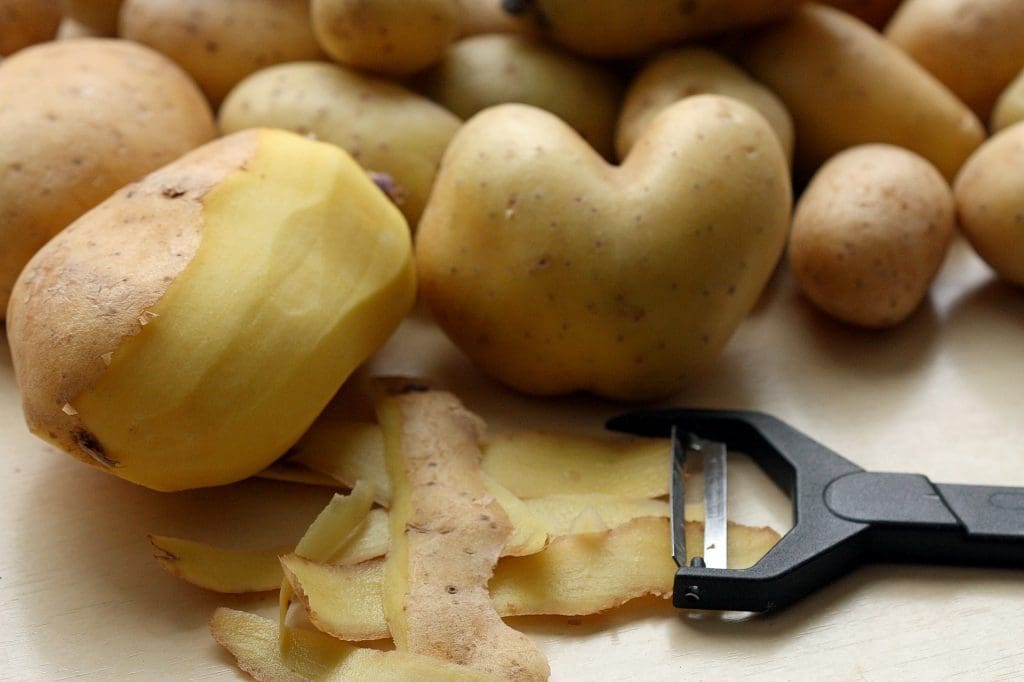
843,515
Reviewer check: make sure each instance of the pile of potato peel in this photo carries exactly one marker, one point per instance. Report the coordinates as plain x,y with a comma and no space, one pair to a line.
581,553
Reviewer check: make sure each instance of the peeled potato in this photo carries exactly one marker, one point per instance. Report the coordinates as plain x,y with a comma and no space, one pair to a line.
188,330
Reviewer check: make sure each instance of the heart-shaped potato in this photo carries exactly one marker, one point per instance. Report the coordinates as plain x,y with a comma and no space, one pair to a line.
556,272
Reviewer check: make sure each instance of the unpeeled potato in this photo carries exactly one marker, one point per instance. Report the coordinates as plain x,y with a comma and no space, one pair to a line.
869,234
80,119
1009,107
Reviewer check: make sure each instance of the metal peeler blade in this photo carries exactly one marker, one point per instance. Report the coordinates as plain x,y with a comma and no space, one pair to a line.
844,516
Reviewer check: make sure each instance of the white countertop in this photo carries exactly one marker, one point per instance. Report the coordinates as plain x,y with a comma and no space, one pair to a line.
943,395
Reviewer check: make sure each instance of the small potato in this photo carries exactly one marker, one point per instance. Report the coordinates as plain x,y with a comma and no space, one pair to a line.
70,28
975,47
26,22
1009,107
388,37
873,12
482,71
990,201
694,71
385,127
80,119
99,17
869,234
845,85
222,42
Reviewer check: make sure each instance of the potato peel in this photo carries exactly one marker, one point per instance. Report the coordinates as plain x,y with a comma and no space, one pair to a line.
346,451
447,532
575,575
230,571
253,641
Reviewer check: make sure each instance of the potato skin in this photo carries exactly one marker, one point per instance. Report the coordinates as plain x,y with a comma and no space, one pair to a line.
26,22
613,28
869,234
845,85
101,113
388,37
106,280
975,47
384,126
479,72
673,75
1009,107
990,202
220,43
557,272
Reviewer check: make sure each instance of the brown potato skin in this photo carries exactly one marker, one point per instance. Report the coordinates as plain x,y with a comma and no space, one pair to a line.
1009,107
975,47
872,12
990,202
101,113
26,22
220,43
93,282
845,85
869,234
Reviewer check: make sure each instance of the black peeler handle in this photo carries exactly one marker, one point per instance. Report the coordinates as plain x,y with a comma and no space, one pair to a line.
843,516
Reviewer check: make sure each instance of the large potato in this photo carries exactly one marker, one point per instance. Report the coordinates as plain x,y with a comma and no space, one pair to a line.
389,37
845,85
222,42
975,47
26,22
869,234
187,330
482,71
613,28
556,272
990,202
80,119
1009,107
674,75
385,127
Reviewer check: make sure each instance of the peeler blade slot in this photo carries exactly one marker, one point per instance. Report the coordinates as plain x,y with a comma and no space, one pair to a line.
677,499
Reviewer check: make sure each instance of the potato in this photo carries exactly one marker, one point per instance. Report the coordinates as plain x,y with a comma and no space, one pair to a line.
674,75
869,234
82,118
975,47
1009,107
873,12
388,37
990,201
556,272
187,330
487,16
99,17
222,42
845,85
479,72
26,22
385,127
612,28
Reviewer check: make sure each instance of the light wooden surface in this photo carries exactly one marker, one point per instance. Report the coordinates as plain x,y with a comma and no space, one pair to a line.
81,597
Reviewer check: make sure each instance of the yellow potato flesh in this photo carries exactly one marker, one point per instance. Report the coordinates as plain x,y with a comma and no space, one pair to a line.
560,513
252,640
310,272
346,451
536,464
529,530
